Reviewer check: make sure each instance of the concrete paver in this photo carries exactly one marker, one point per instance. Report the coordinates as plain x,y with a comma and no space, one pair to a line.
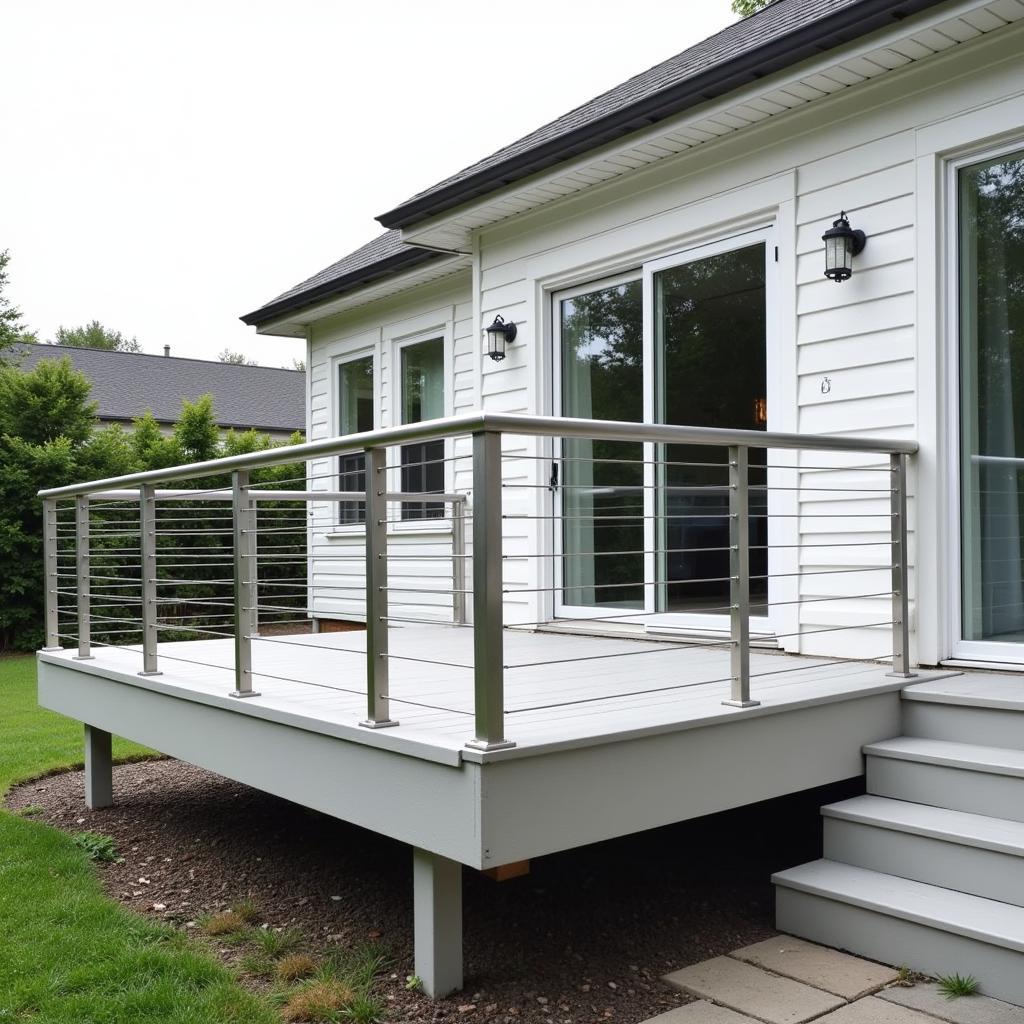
839,973
966,1010
872,1010
755,992
701,1012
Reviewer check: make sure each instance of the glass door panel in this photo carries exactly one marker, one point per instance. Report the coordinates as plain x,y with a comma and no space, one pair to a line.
991,258
602,494
710,358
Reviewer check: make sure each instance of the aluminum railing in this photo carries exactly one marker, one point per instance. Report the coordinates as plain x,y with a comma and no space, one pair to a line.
81,536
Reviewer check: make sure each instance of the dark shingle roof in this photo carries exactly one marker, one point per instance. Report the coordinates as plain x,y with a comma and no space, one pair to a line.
779,35
126,384
386,254
785,32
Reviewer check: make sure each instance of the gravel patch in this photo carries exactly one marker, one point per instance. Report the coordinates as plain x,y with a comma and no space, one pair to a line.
585,937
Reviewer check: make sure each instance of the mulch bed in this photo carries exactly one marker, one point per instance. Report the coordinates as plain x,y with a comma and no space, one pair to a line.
584,937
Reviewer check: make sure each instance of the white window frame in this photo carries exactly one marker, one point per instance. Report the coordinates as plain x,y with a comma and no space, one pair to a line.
982,652
396,345
778,531
336,363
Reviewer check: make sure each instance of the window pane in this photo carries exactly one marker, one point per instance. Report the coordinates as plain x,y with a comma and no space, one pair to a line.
355,391
992,398
710,355
602,501
423,399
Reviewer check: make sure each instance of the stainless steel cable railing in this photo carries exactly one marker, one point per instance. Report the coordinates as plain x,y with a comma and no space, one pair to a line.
759,526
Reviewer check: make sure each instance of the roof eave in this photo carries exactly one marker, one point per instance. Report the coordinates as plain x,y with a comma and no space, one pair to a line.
338,286
851,23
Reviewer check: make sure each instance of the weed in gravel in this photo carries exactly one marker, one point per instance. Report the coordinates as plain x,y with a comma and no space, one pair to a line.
97,846
29,812
953,986
227,922
360,966
247,911
296,967
319,1002
364,1009
276,944
257,964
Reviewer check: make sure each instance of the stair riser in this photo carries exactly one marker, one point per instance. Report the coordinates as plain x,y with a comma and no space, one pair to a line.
989,727
898,942
952,865
999,796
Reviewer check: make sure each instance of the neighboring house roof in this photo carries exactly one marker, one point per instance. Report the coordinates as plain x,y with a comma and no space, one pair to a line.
781,34
127,384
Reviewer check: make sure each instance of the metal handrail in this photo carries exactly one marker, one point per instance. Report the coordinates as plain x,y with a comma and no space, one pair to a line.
499,423
486,430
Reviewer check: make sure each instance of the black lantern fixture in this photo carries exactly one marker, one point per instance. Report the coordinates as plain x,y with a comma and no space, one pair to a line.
842,243
499,334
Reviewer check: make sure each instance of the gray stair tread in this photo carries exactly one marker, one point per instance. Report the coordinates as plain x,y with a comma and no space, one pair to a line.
999,924
967,756
920,819
1002,690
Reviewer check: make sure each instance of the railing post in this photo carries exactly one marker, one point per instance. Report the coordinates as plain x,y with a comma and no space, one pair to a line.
82,563
459,562
147,551
488,620
243,519
900,569
377,706
739,579
51,578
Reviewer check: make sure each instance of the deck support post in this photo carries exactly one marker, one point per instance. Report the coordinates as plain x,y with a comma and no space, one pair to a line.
739,579
378,714
99,768
437,922
51,577
488,611
900,569
244,522
147,552
82,581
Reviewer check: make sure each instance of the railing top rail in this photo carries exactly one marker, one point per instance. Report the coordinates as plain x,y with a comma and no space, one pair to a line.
185,494
506,423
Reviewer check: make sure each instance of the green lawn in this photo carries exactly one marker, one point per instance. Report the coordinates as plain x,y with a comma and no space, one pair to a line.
67,953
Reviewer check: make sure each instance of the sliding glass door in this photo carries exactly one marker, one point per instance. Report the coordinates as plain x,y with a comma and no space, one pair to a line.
645,528
991,315
710,359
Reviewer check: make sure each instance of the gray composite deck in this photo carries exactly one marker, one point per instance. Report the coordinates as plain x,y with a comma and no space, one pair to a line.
561,690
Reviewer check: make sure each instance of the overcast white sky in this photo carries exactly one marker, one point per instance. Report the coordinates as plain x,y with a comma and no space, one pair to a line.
166,168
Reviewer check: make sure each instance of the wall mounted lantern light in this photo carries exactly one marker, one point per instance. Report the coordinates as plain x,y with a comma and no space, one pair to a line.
842,243
499,335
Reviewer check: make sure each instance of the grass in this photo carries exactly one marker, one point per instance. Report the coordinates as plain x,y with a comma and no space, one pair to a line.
68,954
953,986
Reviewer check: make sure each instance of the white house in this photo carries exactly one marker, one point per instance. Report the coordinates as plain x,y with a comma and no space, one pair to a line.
683,264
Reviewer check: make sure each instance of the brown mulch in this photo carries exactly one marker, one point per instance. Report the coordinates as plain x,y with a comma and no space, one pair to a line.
584,937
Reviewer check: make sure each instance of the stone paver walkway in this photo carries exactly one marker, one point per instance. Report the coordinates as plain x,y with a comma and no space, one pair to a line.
789,981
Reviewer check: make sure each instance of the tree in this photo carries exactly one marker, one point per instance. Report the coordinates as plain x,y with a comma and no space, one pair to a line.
299,364
744,8
12,330
95,335
50,401
237,358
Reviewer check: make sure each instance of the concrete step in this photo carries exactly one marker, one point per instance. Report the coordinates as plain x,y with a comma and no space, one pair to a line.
981,708
958,776
969,853
902,921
